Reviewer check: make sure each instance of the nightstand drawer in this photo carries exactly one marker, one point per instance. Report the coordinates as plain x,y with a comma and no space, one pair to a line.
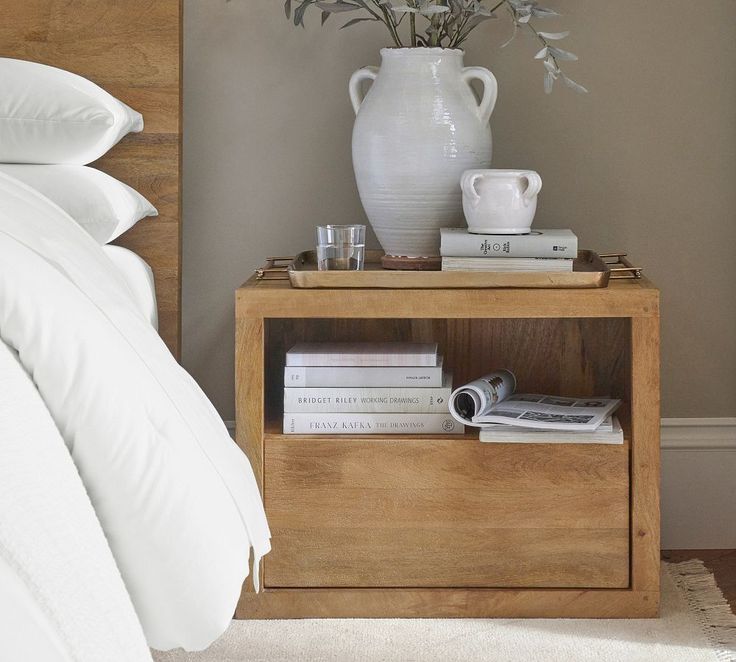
424,512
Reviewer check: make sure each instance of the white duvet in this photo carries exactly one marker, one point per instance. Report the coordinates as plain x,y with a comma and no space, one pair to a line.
176,498
61,595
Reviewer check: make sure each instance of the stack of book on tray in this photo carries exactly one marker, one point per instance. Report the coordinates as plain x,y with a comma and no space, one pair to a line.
540,250
367,388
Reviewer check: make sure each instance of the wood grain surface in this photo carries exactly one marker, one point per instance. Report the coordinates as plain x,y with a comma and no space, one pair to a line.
447,603
437,526
277,299
563,356
419,512
132,49
645,454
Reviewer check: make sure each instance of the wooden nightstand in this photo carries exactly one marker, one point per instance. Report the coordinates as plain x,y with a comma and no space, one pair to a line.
444,526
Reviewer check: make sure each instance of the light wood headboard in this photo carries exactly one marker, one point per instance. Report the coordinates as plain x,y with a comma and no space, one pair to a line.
132,49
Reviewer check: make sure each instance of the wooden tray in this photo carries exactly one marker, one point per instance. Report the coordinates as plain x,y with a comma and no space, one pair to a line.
589,270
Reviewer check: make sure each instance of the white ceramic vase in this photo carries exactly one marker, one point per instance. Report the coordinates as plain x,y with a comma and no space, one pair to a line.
419,127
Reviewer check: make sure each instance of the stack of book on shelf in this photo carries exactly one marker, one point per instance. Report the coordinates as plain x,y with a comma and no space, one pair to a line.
367,388
504,416
540,250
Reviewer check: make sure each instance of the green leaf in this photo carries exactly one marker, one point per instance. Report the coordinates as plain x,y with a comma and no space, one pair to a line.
555,35
549,65
573,85
287,8
549,81
562,55
543,12
299,12
430,10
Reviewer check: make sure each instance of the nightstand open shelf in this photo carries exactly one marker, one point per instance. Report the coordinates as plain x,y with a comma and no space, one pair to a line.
439,525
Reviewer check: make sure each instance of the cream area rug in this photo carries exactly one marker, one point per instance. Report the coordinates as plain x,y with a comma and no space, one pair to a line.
696,625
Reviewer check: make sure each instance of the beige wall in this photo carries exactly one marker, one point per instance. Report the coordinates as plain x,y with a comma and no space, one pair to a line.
645,163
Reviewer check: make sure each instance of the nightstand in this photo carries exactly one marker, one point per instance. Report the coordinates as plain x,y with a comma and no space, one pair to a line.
445,526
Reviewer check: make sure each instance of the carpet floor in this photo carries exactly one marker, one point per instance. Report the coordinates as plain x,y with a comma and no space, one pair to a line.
696,625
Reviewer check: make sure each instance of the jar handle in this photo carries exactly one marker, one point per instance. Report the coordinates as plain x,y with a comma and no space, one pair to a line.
534,186
356,93
467,184
490,90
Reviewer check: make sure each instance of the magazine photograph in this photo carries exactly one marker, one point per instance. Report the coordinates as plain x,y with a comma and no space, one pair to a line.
491,400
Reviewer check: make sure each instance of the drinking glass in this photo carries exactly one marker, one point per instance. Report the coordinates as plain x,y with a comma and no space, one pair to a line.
340,247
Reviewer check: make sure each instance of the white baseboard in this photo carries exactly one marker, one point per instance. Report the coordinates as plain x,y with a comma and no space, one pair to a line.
698,482
699,434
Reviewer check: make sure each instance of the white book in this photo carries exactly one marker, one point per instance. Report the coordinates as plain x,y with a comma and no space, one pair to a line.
324,377
368,354
342,424
511,434
458,242
366,400
506,264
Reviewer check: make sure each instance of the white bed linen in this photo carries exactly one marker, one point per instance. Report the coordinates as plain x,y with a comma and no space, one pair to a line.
61,594
48,115
138,277
26,633
101,204
176,498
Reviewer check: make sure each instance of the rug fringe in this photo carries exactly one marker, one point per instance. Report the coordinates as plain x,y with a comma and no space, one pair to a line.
706,600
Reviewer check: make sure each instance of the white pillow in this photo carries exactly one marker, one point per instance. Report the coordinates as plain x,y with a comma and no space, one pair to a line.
138,276
48,115
177,499
102,205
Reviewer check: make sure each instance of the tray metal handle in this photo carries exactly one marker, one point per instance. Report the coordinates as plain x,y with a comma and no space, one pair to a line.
276,268
620,267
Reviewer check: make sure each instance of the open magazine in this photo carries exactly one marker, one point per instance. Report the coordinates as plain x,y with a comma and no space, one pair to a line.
491,400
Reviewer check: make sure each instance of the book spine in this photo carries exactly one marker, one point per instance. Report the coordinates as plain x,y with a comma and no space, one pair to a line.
507,264
295,359
465,245
381,400
344,424
321,377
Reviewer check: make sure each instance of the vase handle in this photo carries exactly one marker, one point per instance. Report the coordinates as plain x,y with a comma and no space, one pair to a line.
490,90
356,93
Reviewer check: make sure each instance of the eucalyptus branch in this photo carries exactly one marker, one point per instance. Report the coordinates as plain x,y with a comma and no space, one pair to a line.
390,22
551,54
435,35
450,23
365,6
455,41
413,28
544,43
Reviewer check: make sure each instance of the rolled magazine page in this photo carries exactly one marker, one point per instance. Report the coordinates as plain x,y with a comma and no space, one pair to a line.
477,397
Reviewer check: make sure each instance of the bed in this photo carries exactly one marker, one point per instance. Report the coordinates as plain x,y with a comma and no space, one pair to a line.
132,49
84,571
